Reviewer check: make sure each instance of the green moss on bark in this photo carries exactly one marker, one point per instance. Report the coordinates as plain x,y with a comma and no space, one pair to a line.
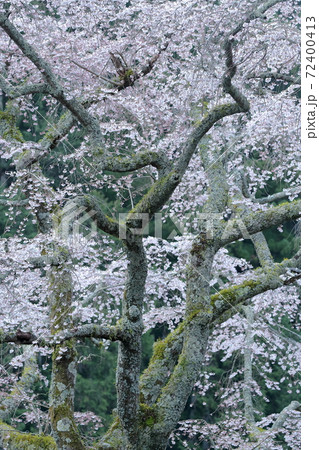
231,294
12,439
9,128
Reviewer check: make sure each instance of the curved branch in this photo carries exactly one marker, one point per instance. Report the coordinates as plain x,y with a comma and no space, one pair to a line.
261,436
218,113
257,221
155,198
164,187
293,406
258,13
229,88
104,222
134,162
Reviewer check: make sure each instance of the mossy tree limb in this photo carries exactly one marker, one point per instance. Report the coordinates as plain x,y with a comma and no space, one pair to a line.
257,221
226,299
133,162
193,333
164,358
174,394
111,333
12,439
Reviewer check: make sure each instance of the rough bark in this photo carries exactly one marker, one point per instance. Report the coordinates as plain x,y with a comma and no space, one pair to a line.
64,359
130,351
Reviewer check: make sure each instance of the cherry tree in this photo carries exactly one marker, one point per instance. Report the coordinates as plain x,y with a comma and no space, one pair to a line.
186,111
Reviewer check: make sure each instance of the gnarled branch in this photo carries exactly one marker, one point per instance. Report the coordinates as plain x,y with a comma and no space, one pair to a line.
258,221
134,162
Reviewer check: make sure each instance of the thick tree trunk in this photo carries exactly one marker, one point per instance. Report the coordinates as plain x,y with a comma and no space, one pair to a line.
64,361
